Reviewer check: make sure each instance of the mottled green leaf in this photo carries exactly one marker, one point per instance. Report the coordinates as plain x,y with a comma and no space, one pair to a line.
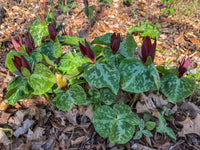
38,31
113,60
42,79
75,94
177,88
94,95
25,72
37,56
52,49
70,63
101,120
142,124
18,88
125,113
147,116
128,46
170,132
162,126
121,131
68,40
167,71
102,75
136,77
147,133
138,135
150,125
107,96
103,40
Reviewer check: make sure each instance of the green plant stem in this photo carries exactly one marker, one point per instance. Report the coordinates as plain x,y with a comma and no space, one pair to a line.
47,96
133,100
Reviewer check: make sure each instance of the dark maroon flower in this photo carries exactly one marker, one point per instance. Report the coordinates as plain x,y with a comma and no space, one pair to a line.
152,19
86,51
70,32
63,1
44,5
52,31
42,17
148,49
86,3
183,66
17,43
29,43
21,62
115,42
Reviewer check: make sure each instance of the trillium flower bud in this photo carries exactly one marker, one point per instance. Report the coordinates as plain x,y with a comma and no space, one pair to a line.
115,42
17,43
183,66
70,32
86,3
44,5
52,31
20,62
29,43
148,49
87,51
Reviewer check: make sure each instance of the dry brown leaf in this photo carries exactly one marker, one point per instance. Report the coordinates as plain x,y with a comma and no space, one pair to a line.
3,138
190,126
21,130
18,118
36,135
79,140
4,118
89,113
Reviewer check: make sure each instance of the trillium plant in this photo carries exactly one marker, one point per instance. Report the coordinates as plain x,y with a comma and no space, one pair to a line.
93,73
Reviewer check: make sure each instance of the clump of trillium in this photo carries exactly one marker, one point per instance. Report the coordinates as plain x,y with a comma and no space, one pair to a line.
52,31
148,49
20,62
115,42
87,51
183,66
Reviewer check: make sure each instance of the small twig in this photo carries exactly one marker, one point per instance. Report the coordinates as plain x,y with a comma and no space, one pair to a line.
133,100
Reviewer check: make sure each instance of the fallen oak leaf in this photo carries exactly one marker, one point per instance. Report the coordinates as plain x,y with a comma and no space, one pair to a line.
190,126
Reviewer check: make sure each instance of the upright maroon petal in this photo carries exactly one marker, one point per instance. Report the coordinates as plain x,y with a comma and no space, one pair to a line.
52,31
90,53
29,43
70,32
183,66
42,17
20,40
148,49
86,3
16,44
113,37
63,1
83,49
115,42
17,62
25,63
44,5
153,50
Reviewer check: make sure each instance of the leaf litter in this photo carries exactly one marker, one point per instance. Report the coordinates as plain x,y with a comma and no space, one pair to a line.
47,128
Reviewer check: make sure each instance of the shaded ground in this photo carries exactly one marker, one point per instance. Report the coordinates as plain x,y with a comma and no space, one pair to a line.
38,124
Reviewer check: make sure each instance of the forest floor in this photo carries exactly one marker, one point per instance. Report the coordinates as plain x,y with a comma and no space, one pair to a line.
37,124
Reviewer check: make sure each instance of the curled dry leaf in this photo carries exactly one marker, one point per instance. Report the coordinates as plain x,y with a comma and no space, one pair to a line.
190,126
21,130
